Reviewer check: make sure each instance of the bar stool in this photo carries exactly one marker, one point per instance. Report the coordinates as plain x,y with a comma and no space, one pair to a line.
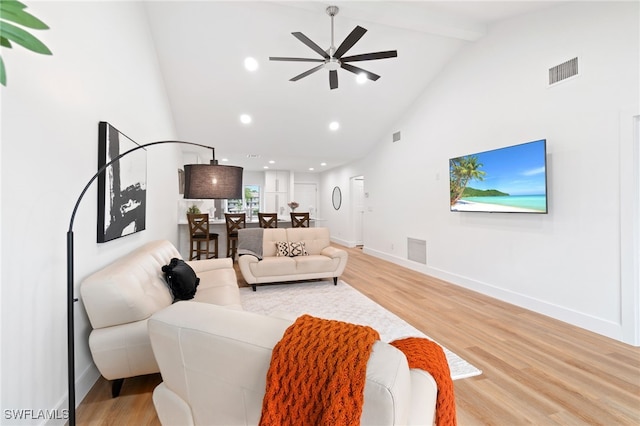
299,220
268,220
234,222
198,234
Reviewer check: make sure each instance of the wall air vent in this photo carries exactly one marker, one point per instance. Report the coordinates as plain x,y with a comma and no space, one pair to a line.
417,250
563,71
396,136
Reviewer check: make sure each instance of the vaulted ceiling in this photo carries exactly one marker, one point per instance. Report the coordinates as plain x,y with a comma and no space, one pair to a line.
202,46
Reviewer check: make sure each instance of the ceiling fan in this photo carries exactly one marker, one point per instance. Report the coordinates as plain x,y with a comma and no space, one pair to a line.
333,58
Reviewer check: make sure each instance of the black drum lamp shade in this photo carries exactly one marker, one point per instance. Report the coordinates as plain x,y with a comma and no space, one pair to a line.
212,181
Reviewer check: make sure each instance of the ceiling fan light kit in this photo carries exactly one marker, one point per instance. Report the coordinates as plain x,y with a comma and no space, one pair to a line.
332,58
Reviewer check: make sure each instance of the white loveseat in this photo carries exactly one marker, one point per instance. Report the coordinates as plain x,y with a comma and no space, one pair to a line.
214,364
120,298
323,260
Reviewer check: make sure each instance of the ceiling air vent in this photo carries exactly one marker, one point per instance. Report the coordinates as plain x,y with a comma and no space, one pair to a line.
396,136
563,71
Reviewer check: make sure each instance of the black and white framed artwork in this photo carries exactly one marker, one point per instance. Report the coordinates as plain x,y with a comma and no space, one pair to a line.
122,187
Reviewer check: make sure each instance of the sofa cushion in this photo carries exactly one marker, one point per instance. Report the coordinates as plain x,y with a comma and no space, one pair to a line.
315,239
315,264
269,237
218,287
129,289
181,278
274,266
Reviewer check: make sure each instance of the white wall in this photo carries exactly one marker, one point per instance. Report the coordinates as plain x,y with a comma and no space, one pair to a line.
340,221
566,264
103,68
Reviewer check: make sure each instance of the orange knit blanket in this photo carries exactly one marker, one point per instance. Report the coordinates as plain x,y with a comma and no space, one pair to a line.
318,372
429,356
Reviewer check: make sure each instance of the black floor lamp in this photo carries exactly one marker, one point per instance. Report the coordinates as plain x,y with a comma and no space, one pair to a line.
202,181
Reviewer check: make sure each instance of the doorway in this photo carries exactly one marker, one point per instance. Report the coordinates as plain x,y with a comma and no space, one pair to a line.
357,210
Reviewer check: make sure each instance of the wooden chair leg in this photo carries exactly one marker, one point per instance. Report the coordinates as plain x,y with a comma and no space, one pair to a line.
231,247
191,251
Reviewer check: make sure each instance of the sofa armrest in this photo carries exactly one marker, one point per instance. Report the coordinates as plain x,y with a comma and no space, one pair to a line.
333,252
424,392
244,262
210,264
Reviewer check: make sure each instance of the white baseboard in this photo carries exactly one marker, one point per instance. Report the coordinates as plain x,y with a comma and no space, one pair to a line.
84,383
588,322
342,242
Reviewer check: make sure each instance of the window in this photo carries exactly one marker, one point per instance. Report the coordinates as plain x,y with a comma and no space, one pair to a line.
252,199
250,203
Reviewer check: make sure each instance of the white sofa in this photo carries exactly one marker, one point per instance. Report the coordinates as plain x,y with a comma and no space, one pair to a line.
120,298
214,363
323,261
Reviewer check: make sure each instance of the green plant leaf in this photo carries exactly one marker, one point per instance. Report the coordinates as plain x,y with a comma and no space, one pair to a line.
5,43
12,5
13,11
3,73
23,38
22,18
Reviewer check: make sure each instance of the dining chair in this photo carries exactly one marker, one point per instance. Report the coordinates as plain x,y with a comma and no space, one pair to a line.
234,222
268,220
198,235
299,220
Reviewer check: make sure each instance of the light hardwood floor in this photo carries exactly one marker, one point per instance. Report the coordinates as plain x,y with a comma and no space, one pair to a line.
536,370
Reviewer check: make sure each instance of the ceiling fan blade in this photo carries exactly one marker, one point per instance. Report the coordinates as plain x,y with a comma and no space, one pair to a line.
348,42
356,70
371,56
333,79
279,58
306,73
306,40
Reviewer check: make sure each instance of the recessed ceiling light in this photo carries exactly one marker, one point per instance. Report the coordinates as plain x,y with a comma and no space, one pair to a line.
361,78
271,162
311,169
250,64
334,125
245,118
323,164
265,167
225,159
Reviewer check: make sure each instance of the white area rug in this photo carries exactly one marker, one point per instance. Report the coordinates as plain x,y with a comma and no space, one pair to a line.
342,302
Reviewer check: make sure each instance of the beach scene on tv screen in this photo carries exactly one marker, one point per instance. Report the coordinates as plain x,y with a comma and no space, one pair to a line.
511,179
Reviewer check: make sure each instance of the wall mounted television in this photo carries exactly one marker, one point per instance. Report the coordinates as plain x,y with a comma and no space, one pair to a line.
506,180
